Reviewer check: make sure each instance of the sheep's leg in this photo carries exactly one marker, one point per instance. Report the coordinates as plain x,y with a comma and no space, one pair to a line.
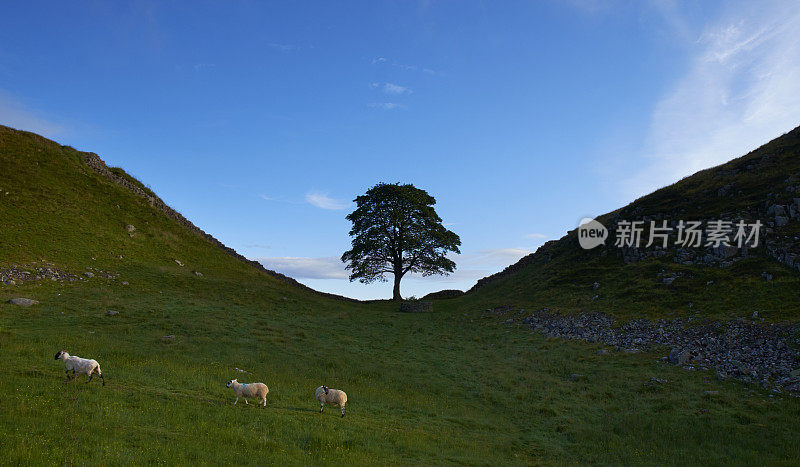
342,411
237,400
67,373
245,401
102,379
90,378
264,402
321,406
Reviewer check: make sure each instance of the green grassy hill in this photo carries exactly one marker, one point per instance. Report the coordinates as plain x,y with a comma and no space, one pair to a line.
560,275
447,387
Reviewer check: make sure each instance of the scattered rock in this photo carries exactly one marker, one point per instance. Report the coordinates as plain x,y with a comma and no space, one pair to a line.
168,338
198,274
595,286
18,274
179,262
740,349
653,379
111,312
710,393
602,352
130,228
124,283
23,301
88,274
679,356
576,376
418,306
755,316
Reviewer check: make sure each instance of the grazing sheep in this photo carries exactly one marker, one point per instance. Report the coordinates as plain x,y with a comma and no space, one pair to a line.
80,365
331,396
246,390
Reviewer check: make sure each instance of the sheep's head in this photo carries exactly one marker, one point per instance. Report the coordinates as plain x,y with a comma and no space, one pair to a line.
58,355
231,382
325,389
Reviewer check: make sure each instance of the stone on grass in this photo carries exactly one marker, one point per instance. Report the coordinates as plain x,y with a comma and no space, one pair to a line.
23,301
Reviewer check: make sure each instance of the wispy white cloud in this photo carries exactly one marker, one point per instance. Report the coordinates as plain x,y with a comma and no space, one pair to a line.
329,267
15,114
390,88
323,201
258,245
535,235
741,90
387,105
403,66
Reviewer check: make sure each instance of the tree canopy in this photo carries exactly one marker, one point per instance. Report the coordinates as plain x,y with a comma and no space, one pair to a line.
397,231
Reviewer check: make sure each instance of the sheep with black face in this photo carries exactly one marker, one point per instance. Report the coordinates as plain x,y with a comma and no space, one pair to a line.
80,365
332,396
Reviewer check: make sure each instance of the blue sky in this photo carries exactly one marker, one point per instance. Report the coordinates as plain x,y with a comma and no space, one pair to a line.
261,121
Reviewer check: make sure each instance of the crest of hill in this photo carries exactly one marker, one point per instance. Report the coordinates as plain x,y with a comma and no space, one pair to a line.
761,185
65,206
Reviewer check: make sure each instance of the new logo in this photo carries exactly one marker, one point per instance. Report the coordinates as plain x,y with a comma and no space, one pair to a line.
591,233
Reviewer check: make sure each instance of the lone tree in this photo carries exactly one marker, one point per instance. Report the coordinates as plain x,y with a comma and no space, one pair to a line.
396,231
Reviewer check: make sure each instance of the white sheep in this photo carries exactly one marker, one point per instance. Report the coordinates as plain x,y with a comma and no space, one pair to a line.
331,396
246,390
80,365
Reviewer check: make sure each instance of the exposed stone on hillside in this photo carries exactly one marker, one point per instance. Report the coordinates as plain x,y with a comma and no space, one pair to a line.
19,274
740,349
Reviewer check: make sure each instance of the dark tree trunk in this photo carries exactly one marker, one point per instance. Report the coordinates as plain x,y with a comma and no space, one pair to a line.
396,292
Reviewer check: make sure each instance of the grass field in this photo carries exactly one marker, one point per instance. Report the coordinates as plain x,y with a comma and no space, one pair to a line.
446,387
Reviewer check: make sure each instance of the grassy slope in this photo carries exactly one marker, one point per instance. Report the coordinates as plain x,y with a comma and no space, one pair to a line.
563,284
444,387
